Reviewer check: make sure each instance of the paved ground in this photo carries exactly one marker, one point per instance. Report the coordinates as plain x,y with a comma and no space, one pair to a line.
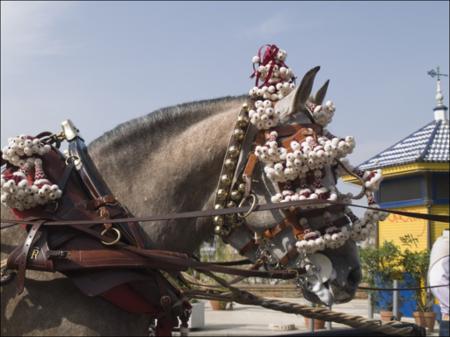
247,320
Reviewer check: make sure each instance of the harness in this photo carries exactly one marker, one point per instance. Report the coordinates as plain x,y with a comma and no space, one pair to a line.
103,251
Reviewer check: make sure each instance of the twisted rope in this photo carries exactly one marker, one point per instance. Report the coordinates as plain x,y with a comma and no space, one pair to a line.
354,321
244,297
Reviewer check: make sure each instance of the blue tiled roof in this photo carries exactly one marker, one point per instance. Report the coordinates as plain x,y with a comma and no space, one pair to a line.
428,144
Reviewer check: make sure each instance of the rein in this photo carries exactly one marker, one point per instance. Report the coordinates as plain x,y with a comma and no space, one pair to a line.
6,223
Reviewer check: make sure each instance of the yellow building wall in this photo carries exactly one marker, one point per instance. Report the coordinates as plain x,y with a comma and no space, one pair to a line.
438,227
396,226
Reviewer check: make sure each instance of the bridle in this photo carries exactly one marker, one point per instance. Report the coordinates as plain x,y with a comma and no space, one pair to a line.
234,188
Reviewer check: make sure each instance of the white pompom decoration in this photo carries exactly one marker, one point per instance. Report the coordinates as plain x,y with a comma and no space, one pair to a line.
21,188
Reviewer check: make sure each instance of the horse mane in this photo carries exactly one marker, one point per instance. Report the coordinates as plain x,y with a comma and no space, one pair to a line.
184,114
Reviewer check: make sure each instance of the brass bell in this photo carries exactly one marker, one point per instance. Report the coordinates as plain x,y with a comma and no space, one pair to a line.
242,121
218,220
233,151
238,134
241,188
225,179
236,195
221,194
229,164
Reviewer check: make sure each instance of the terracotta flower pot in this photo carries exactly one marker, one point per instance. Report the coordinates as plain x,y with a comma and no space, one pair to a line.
425,319
386,315
318,323
218,305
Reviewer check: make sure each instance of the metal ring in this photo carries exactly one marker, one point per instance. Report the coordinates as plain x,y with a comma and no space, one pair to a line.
119,235
252,207
71,159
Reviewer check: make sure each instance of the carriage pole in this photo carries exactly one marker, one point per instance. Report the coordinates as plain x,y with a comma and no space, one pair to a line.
329,327
395,300
369,305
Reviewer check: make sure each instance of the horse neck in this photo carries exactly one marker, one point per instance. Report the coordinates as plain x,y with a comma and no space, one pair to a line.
168,169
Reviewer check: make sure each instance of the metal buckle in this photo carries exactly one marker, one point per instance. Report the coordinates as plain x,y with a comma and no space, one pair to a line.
72,159
119,235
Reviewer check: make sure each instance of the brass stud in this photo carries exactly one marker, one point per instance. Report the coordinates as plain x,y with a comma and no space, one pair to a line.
242,121
225,179
245,106
236,195
229,164
241,188
218,230
238,134
233,151
221,193
231,204
218,220
218,206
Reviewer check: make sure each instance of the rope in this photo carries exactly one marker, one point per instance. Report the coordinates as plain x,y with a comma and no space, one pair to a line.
224,211
244,297
233,294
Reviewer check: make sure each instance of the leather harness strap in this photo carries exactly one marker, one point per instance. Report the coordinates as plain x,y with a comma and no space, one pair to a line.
248,172
24,256
180,261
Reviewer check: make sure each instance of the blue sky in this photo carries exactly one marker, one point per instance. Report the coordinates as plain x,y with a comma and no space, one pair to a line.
103,63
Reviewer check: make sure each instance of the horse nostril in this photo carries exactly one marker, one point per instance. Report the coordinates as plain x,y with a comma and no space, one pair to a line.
354,277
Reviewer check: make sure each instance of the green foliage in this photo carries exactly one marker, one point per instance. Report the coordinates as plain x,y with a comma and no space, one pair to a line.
389,260
382,261
416,263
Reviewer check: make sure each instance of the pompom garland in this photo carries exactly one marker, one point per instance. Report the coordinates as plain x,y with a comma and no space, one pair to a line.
21,148
25,185
306,162
278,81
334,237
322,114
264,116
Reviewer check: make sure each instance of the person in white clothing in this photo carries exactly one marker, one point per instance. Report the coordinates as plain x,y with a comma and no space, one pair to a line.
438,274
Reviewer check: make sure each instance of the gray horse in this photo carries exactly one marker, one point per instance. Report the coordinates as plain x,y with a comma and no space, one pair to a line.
165,162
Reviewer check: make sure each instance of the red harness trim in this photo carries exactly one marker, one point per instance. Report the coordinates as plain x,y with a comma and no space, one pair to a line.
127,299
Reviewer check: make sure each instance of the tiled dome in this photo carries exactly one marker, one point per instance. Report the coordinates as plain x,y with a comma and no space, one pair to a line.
428,144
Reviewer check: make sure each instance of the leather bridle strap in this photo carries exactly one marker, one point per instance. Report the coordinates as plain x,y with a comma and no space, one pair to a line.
225,211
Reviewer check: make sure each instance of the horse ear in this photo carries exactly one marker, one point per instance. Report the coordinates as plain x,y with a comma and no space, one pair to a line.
320,95
304,90
297,98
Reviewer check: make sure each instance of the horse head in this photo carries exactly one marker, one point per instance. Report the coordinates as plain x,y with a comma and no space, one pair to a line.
334,270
